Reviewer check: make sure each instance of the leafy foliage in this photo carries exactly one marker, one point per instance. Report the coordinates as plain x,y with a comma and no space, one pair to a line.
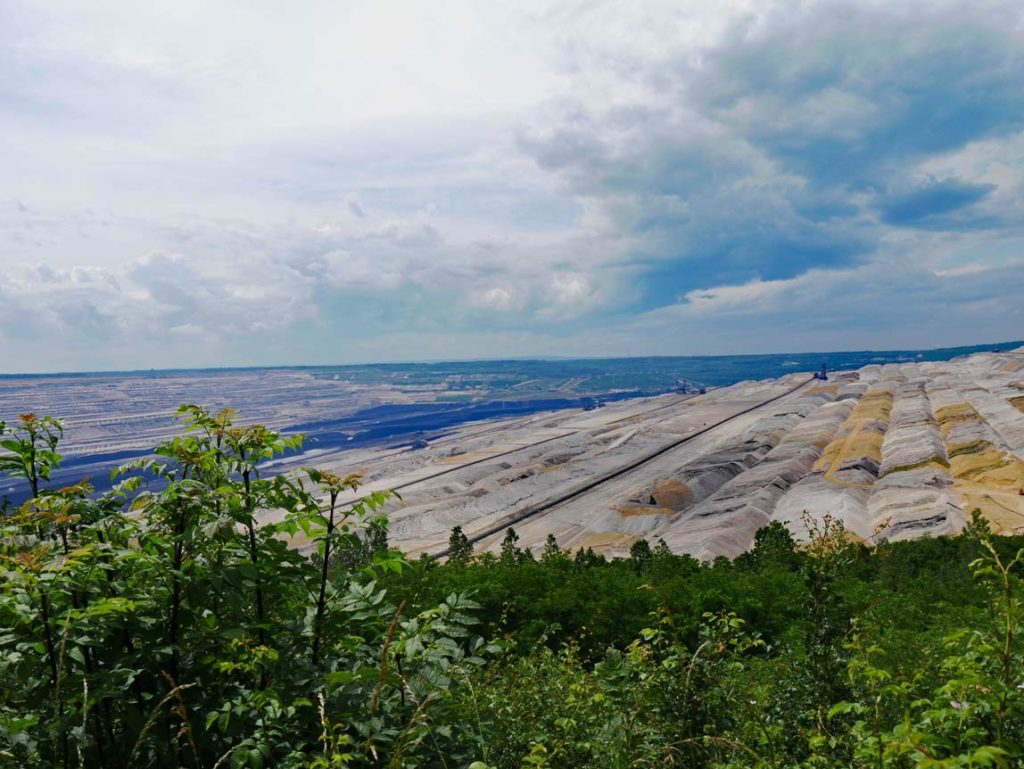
176,622
207,614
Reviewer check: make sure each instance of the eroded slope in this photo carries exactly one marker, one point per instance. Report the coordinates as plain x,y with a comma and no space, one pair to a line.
894,451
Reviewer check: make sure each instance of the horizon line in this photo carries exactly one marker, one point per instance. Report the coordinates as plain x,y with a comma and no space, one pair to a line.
516,359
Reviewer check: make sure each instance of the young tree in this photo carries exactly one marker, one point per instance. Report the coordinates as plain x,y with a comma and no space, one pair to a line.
587,558
552,553
829,554
31,449
332,485
640,554
510,554
773,543
460,549
978,527
376,538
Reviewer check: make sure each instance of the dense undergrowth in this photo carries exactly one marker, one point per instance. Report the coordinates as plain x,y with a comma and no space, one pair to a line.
159,626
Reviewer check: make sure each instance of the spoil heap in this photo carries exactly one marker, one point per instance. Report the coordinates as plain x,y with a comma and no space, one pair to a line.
894,451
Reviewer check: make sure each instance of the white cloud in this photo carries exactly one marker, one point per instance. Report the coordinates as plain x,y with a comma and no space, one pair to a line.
569,289
750,297
497,299
387,179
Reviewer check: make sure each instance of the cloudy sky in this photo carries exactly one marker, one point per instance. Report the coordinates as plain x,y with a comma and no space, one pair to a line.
245,183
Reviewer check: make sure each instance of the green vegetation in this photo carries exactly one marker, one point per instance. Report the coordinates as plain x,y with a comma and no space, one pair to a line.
160,626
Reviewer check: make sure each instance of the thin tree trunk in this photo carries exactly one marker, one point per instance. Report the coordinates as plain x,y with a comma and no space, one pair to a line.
254,557
321,601
44,613
175,613
51,652
101,724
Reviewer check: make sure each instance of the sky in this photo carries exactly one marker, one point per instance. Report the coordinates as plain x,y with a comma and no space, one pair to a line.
241,182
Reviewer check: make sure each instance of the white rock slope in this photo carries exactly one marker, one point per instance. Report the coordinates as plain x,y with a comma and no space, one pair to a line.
894,451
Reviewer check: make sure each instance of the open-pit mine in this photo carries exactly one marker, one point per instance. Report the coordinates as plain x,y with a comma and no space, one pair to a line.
894,451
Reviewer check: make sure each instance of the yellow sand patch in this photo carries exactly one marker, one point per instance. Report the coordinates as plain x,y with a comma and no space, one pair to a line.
672,494
877,404
1014,365
970,447
956,412
859,436
859,443
987,478
863,443
630,510
830,389
828,456
1017,402
988,465
1004,510
607,539
950,416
